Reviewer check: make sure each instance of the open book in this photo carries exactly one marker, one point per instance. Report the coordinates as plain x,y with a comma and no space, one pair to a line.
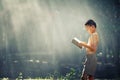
76,42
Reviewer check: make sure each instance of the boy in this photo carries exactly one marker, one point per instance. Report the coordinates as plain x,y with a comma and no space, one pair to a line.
91,47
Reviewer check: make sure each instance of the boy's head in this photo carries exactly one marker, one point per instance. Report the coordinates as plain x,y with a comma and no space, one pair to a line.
90,23
90,26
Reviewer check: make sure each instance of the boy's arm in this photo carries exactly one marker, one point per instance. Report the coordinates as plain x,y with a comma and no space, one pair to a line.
86,46
93,41
81,44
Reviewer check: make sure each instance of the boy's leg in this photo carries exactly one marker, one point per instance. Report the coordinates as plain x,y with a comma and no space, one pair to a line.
91,77
84,77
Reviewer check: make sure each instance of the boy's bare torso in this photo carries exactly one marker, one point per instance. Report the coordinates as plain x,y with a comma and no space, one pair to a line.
93,42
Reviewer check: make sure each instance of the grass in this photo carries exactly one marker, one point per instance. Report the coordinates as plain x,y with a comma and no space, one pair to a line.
69,76
33,79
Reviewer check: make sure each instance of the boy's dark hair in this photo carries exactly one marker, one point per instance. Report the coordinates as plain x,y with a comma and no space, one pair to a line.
90,22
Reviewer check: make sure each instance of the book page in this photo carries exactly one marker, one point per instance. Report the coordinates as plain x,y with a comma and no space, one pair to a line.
76,42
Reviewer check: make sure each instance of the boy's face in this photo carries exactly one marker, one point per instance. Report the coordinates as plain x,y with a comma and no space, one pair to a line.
90,29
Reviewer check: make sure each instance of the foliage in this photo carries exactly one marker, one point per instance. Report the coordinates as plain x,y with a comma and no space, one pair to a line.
72,75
